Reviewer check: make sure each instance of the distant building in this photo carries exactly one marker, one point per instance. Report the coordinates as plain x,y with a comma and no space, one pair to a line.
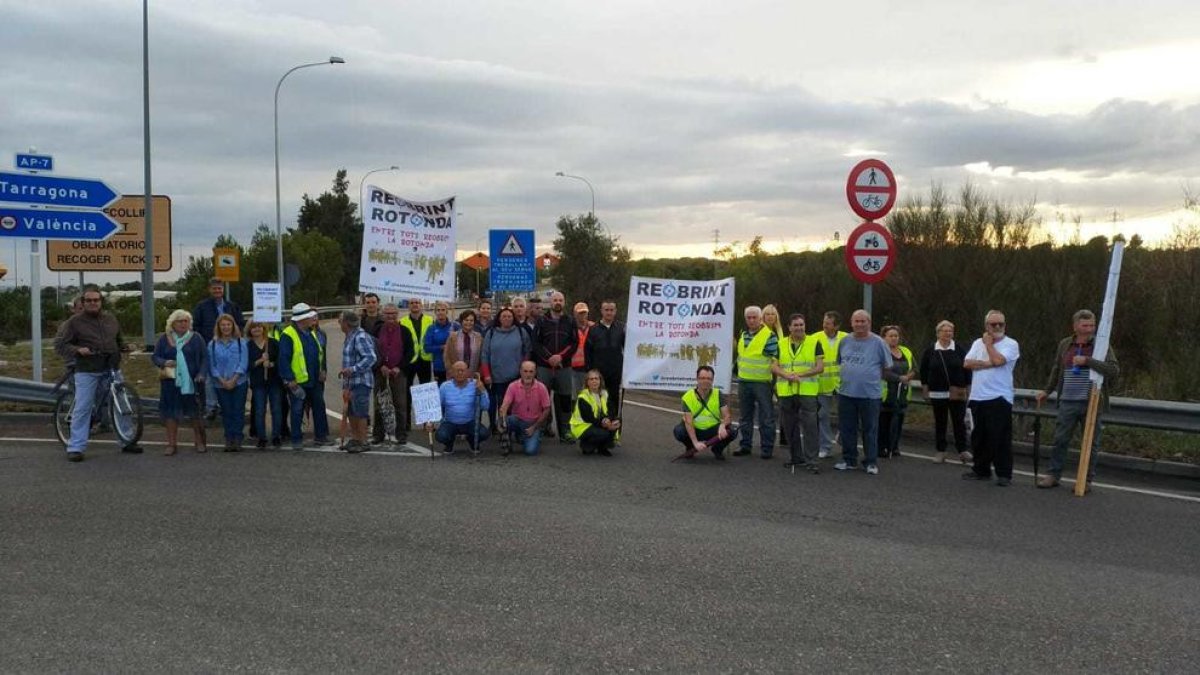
547,261
478,262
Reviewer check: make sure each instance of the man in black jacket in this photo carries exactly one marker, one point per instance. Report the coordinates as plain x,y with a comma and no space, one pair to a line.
554,342
605,350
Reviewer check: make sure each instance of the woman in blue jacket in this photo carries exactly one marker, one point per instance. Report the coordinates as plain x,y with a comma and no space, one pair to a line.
182,361
228,359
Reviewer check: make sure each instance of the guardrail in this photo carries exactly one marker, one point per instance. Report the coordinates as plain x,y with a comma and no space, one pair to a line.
29,392
1123,412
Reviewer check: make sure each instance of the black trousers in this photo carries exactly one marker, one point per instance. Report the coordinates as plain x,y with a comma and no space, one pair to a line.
595,438
954,412
991,441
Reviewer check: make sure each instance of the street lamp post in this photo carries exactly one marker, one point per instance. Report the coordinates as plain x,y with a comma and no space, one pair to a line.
278,209
592,213
363,182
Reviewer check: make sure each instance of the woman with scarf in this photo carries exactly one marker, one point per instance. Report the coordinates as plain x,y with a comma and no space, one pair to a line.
182,363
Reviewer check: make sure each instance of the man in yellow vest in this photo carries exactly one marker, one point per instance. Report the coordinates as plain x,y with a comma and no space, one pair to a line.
801,360
756,348
420,367
706,418
302,368
827,401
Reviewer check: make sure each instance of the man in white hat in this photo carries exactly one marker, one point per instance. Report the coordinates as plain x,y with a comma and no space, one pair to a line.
302,367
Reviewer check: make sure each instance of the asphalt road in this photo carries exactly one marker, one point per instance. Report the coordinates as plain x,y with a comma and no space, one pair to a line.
318,561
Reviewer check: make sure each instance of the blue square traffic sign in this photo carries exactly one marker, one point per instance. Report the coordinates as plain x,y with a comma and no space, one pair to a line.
511,265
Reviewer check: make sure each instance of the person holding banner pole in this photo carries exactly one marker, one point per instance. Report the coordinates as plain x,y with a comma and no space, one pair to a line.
396,351
757,347
1070,379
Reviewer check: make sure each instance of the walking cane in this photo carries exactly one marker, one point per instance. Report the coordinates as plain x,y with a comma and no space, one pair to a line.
1037,440
475,419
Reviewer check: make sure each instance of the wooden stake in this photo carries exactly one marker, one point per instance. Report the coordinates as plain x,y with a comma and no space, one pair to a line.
1085,452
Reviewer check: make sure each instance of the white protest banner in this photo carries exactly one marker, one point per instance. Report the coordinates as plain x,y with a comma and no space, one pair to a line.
268,303
426,403
673,328
408,247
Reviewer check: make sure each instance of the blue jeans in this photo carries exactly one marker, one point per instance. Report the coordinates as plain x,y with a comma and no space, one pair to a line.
233,411
262,396
1070,415
517,427
87,387
447,431
825,405
756,397
314,394
854,412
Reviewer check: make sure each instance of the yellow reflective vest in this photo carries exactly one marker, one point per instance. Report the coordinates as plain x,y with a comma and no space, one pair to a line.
599,407
299,365
753,365
908,355
706,414
798,360
830,379
418,336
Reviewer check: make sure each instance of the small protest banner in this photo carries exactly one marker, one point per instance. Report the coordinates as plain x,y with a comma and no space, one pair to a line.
426,403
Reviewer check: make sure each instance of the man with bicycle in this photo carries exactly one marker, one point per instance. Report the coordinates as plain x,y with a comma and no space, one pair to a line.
92,338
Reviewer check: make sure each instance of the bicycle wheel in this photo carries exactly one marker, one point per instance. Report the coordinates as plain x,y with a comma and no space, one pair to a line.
62,415
125,410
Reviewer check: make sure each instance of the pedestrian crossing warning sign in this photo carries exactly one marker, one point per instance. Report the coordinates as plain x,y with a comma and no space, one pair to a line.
512,246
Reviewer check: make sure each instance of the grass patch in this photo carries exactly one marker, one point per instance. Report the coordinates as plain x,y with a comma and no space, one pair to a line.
17,362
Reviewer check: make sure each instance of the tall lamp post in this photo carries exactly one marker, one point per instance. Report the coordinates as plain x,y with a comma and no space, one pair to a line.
592,213
278,209
364,181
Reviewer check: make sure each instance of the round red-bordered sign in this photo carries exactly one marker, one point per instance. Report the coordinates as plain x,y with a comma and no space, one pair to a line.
871,189
870,253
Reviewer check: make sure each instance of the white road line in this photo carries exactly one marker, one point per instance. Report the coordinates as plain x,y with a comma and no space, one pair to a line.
1107,486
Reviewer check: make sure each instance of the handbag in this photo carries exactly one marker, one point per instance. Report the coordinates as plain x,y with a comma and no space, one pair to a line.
166,373
956,393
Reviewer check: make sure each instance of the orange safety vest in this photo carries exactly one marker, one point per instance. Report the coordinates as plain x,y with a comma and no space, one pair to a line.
580,357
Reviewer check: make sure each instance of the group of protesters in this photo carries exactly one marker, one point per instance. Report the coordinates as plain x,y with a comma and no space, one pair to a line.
526,372
867,379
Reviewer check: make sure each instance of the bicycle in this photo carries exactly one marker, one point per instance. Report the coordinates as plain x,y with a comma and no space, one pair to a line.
116,407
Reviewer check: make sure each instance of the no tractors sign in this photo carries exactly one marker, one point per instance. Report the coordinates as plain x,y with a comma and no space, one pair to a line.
870,253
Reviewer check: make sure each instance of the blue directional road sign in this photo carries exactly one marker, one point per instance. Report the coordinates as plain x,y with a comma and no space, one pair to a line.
30,162
511,267
80,193
46,224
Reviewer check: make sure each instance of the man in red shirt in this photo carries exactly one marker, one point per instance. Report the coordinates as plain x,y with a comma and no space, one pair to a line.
528,401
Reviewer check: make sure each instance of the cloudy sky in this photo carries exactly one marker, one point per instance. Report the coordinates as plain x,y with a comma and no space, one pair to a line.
687,116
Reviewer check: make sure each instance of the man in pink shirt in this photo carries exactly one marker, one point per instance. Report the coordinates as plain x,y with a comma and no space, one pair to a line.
528,401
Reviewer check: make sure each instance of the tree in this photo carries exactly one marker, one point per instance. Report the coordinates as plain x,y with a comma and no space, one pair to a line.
321,266
592,266
333,215
193,285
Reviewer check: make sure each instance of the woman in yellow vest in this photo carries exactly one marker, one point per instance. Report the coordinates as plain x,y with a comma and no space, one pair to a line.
896,395
591,423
